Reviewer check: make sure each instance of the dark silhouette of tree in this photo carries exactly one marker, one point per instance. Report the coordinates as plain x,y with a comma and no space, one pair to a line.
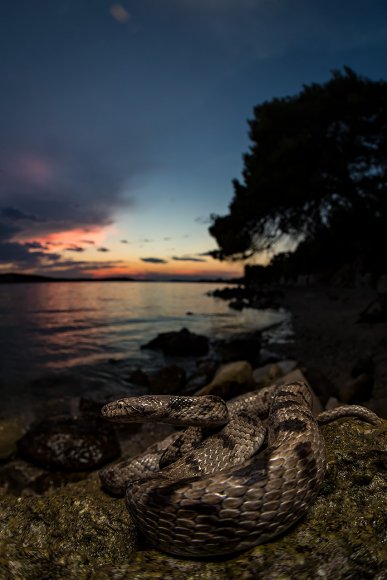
316,171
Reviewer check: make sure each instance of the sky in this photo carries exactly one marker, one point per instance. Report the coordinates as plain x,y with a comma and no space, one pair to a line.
122,124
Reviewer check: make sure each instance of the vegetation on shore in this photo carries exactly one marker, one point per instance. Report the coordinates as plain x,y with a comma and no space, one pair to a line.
314,179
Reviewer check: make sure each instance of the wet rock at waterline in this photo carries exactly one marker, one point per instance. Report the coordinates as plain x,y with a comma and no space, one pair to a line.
181,343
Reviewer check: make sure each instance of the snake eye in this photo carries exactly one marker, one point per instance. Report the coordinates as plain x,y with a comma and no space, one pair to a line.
120,404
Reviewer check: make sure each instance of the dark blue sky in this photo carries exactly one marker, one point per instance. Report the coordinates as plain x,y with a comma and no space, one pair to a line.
127,120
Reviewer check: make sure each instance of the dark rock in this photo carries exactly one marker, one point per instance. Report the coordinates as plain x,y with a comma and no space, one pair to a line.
167,380
181,343
240,347
18,475
70,443
376,311
139,377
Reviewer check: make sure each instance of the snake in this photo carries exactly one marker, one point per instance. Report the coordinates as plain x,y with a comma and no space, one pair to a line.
239,475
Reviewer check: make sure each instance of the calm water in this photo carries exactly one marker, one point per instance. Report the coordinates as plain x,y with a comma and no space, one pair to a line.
87,327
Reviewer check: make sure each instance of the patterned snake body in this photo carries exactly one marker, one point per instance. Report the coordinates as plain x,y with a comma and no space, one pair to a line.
224,497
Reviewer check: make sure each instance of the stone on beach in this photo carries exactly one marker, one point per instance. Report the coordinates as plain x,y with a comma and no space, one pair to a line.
70,443
231,380
181,343
11,431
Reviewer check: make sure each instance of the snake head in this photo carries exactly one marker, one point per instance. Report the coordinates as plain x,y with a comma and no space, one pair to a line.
117,411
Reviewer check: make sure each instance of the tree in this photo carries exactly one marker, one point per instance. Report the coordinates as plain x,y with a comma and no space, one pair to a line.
317,161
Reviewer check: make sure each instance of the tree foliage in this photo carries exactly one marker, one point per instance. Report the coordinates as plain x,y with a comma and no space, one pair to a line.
317,162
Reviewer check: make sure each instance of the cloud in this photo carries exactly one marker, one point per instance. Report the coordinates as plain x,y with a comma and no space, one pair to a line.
203,220
14,214
119,13
103,249
209,253
154,260
75,248
63,187
36,245
124,242
187,259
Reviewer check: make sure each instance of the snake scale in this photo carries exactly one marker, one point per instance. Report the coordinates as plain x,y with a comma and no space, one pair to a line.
209,490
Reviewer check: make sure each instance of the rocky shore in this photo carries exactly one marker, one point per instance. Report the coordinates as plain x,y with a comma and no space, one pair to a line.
55,521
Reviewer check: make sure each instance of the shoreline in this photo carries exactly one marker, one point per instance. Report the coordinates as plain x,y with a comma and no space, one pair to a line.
329,338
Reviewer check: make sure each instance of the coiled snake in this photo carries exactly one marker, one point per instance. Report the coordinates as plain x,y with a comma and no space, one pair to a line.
215,494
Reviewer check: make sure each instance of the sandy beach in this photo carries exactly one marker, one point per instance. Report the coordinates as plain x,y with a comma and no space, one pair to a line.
328,337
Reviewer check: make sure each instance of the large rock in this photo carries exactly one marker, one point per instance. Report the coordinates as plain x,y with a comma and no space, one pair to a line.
68,533
79,532
231,380
181,343
70,443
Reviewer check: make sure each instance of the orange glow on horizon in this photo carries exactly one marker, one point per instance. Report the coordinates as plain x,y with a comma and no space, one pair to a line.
78,236
143,270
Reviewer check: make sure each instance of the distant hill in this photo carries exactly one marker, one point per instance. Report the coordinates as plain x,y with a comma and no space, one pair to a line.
12,278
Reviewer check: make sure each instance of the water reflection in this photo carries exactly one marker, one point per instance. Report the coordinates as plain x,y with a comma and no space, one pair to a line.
62,325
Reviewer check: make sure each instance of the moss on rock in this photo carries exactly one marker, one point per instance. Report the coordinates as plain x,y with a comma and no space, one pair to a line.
67,533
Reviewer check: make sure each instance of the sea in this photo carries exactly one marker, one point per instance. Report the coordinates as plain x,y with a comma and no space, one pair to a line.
59,338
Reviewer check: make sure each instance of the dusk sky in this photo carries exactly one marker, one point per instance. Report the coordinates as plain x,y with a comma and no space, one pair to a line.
124,123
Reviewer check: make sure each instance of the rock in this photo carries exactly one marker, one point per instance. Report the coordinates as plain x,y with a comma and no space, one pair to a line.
332,403
21,478
10,431
71,532
267,356
181,343
70,443
195,383
231,380
18,475
287,365
240,347
357,390
168,380
266,375
139,377
79,532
